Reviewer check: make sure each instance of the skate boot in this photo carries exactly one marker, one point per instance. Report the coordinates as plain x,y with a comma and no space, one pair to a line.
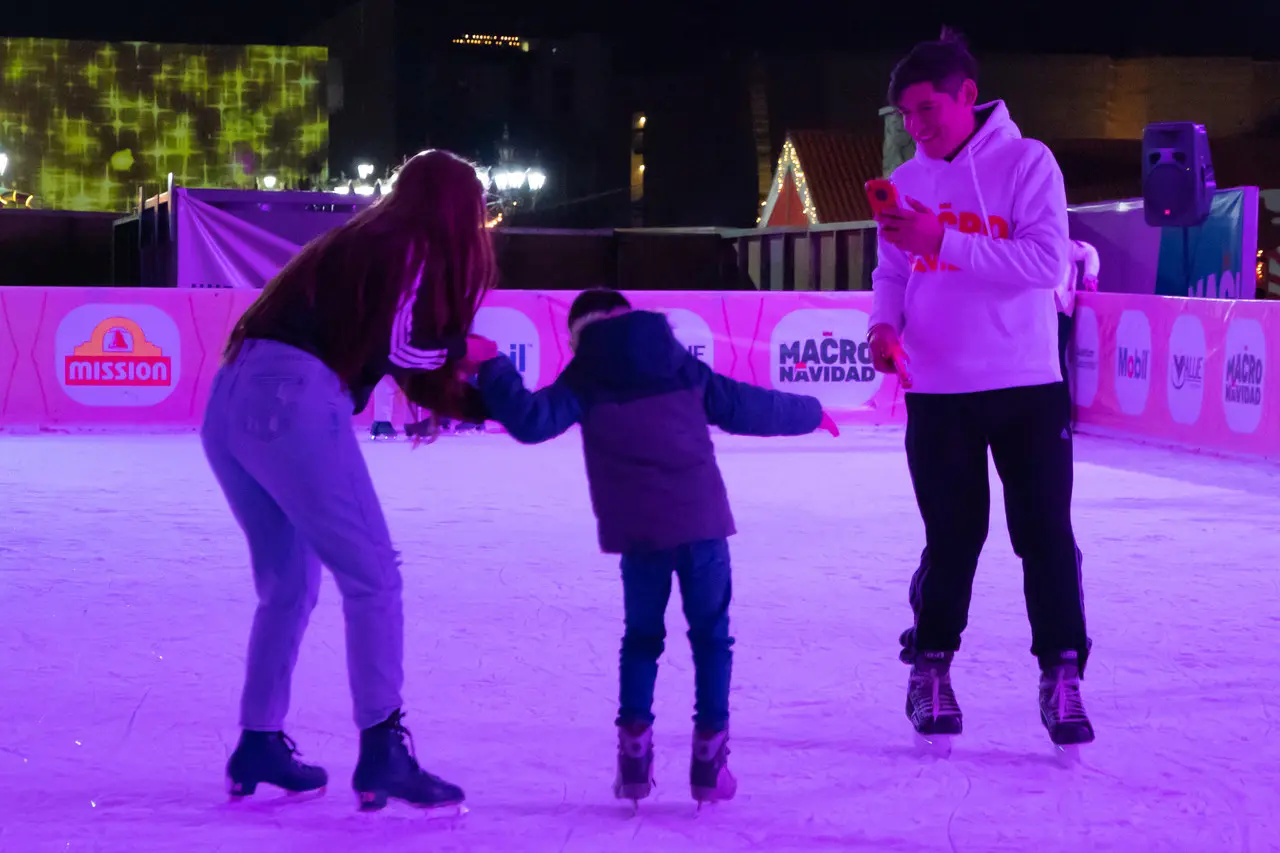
709,778
635,763
388,769
383,430
420,429
1062,708
269,757
931,703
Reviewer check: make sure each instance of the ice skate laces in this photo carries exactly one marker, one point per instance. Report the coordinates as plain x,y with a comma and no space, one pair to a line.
941,699
396,724
292,748
1065,702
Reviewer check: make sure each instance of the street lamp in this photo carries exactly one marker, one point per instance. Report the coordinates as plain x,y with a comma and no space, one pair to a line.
537,179
364,170
269,182
4,163
509,180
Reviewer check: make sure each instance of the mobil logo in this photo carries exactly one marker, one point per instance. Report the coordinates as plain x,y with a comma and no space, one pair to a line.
1133,362
1084,347
517,338
1185,385
824,353
693,333
117,355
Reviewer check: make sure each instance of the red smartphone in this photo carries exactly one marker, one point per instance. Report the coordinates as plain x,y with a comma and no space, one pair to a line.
882,195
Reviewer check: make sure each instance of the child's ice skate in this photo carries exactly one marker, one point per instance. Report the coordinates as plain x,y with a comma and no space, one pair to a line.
634,781
709,778
383,431
1062,708
388,770
931,703
270,758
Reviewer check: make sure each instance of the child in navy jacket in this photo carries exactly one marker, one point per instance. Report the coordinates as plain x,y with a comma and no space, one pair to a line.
645,405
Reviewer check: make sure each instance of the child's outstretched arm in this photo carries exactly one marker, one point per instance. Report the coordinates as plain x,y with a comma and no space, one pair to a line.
743,409
530,417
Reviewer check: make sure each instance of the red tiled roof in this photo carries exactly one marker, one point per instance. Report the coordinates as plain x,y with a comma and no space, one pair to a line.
836,164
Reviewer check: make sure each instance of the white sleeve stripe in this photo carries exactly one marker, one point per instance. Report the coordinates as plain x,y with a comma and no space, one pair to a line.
403,353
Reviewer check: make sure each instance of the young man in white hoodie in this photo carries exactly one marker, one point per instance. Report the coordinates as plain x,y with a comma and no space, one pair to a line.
964,292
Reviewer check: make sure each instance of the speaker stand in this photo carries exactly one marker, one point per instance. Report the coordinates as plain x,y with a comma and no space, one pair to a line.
1186,259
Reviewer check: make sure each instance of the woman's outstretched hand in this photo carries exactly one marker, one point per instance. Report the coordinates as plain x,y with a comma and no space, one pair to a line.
480,349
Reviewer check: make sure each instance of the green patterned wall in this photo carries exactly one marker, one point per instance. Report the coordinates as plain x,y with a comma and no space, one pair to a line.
85,123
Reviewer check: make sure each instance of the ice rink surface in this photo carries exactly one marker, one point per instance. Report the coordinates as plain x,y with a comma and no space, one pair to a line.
125,600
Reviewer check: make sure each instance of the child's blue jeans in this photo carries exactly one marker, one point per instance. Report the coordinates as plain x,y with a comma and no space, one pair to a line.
706,588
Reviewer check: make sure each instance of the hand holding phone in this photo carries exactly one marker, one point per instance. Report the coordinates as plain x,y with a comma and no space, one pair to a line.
882,195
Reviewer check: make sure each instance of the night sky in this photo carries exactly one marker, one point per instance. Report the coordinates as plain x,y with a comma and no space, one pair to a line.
1120,28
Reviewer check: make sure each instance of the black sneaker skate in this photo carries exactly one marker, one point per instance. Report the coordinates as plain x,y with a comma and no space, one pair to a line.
383,431
931,703
709,778
1062,708
635,763
388,769
270,758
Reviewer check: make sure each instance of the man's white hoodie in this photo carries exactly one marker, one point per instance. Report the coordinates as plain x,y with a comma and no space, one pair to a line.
980,316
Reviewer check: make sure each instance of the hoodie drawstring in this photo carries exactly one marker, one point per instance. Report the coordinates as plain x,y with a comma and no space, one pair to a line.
977,187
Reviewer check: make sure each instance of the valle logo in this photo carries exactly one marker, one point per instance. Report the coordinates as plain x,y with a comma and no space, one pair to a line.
1187,370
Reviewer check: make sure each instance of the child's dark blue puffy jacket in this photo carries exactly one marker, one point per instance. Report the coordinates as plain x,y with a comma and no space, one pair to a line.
644,403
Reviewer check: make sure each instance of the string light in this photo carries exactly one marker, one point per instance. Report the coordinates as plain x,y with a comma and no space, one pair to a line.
790,160
492,41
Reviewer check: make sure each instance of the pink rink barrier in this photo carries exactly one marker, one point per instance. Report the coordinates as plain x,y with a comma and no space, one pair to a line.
1184,370
1187,371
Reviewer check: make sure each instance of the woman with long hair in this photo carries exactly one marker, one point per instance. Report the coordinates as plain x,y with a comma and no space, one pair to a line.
391,292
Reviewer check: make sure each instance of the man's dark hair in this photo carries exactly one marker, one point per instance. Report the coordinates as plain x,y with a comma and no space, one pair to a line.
597,300
945,63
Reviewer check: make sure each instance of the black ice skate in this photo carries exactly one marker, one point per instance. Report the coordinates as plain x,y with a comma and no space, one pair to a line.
931,703
709,778
383,431
1062,708
634,781
420,429
388,770
270,758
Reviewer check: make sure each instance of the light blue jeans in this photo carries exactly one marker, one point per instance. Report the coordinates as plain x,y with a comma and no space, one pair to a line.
279,437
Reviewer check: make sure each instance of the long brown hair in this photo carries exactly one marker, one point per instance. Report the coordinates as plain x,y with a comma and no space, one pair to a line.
430,231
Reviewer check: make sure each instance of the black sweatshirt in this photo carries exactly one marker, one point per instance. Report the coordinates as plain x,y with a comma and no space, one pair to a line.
407,350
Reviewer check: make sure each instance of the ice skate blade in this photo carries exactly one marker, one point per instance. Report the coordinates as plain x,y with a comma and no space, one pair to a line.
377,801
712,796
936,746
1068,754
252,799
636,792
